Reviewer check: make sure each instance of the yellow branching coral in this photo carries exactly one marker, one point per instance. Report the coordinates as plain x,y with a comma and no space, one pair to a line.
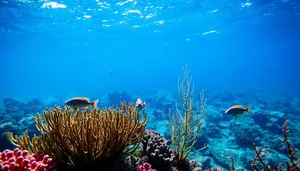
86,137
186,122
23,142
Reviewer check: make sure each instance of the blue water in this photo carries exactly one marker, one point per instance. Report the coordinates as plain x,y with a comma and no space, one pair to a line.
236,50
227,45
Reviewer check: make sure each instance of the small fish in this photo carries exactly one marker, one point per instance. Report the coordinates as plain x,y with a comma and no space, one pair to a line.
237,110
81,102
140,105
111,72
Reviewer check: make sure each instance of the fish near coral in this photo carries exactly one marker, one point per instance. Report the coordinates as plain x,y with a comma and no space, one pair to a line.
81,102
237,110
140,105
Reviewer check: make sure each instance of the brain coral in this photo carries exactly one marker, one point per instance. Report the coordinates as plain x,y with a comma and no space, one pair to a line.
157,150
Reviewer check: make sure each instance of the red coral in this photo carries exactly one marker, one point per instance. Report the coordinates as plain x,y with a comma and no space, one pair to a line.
145,167
18,160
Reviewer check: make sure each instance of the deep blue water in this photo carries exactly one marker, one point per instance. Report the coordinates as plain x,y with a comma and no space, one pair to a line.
228,45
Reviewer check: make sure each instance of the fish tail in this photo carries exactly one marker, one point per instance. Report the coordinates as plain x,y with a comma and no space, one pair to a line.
94,103
248,109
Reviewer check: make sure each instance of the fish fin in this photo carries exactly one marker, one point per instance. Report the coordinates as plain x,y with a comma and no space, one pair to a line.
94,103
248,109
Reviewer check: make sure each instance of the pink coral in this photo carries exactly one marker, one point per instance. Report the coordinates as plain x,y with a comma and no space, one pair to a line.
145,167
18,160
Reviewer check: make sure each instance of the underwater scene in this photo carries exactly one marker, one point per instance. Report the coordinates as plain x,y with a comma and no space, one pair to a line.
149,85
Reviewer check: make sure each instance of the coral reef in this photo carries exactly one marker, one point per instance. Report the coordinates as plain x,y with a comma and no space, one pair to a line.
17,117
156,150
85,139
14,160
115,138
246,133
14,106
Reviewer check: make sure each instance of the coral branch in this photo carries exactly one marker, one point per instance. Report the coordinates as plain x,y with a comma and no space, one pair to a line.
258,156
293,164
186,122
232,168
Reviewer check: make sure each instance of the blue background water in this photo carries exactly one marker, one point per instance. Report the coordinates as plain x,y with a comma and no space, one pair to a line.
229,45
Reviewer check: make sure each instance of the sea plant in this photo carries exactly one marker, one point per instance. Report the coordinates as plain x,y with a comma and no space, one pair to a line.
186,121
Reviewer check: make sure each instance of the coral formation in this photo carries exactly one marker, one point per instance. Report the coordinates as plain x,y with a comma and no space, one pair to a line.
17,117
86,138
14,160
145,167
185,124
246,134
14,106
156,150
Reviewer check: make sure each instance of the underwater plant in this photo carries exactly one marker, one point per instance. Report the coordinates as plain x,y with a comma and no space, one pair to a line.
185,123
87,138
